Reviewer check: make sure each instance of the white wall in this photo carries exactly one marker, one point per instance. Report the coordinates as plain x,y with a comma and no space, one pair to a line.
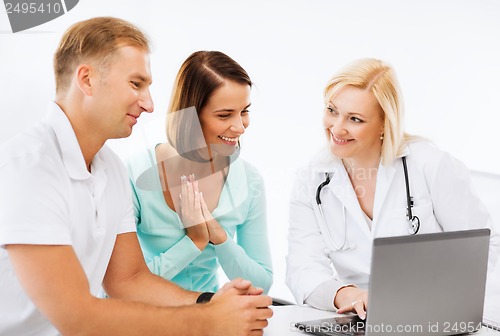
446,53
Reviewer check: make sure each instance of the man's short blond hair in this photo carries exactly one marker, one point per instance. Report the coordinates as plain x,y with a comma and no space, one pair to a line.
95,40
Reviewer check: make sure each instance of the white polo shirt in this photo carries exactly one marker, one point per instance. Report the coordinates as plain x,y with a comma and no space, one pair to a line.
47,197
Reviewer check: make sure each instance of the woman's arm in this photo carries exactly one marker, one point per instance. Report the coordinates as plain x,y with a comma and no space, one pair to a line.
175,257
250,257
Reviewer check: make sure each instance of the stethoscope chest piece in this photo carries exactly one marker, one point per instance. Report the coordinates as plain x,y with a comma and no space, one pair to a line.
414,225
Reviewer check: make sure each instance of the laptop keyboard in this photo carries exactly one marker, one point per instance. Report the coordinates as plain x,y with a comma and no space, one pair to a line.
350,325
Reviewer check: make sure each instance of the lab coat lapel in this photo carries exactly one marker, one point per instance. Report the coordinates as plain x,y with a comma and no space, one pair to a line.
342,189
385,177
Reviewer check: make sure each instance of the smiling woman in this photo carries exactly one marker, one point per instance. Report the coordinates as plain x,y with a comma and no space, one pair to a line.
354,123
225,117
200,206
368,183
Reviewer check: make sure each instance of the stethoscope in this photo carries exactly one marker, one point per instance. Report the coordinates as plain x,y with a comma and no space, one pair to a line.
413,221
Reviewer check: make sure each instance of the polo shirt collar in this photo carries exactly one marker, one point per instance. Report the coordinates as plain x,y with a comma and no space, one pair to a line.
71,152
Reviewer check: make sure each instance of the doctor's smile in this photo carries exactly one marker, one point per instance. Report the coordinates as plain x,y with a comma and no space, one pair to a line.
339,141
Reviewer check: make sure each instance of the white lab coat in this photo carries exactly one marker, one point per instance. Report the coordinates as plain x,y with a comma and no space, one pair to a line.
443,200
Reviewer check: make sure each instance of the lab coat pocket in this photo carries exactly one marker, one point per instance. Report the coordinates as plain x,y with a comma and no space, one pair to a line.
428,222
397,223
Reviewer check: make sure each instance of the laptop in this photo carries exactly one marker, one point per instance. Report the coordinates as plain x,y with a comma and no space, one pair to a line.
426,284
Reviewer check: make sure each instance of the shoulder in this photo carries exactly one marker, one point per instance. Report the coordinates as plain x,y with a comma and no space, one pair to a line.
31,149
243,170
249,168
322,160
31,163
320,163
306,177
423,147
423,153
430,159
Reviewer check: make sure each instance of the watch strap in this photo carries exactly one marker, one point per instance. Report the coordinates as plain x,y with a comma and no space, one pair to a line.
204,297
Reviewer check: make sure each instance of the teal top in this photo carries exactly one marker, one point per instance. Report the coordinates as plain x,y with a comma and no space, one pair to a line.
170,253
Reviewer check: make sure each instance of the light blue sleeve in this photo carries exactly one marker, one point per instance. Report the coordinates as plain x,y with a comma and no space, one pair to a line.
175,258
250,256
169,263
177,250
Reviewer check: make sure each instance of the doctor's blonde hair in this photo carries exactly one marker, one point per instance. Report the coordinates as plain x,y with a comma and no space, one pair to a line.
380,79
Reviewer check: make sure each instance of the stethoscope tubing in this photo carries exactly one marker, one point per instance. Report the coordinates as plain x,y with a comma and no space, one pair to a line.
409,200
413,221
336,248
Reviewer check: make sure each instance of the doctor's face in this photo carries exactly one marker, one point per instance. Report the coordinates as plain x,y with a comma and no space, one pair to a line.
353,123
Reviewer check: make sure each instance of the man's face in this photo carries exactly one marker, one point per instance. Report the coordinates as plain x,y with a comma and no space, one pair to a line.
120,93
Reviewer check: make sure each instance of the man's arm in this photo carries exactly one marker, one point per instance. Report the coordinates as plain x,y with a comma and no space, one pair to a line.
128,277
53,278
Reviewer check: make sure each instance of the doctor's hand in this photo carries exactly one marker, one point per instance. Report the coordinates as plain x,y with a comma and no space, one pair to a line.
191,212
352,299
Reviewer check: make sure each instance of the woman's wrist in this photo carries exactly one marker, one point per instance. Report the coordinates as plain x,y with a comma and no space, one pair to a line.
217,234
198,237
337,298
218,240
199,241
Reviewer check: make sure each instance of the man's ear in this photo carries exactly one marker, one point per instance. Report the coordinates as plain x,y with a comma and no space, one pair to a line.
84,79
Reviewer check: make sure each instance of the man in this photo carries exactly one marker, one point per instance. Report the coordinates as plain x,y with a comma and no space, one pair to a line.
66,219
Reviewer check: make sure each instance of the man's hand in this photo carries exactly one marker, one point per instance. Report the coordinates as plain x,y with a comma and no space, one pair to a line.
244,287
240,309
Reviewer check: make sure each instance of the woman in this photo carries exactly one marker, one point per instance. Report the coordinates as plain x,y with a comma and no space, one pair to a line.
355,190
200,197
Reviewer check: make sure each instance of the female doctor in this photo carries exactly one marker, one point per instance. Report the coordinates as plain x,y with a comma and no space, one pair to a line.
355,190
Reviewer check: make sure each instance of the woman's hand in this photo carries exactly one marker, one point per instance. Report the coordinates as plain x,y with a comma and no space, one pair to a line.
216,233
352,299
191,212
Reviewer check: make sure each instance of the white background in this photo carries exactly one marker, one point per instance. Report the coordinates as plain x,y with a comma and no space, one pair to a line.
446,54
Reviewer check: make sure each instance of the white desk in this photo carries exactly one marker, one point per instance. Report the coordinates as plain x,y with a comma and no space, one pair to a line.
492,307
284,318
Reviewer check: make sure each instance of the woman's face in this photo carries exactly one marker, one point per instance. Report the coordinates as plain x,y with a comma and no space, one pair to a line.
225,117
353,123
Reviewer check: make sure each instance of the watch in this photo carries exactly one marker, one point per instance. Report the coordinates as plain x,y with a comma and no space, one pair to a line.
204,297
